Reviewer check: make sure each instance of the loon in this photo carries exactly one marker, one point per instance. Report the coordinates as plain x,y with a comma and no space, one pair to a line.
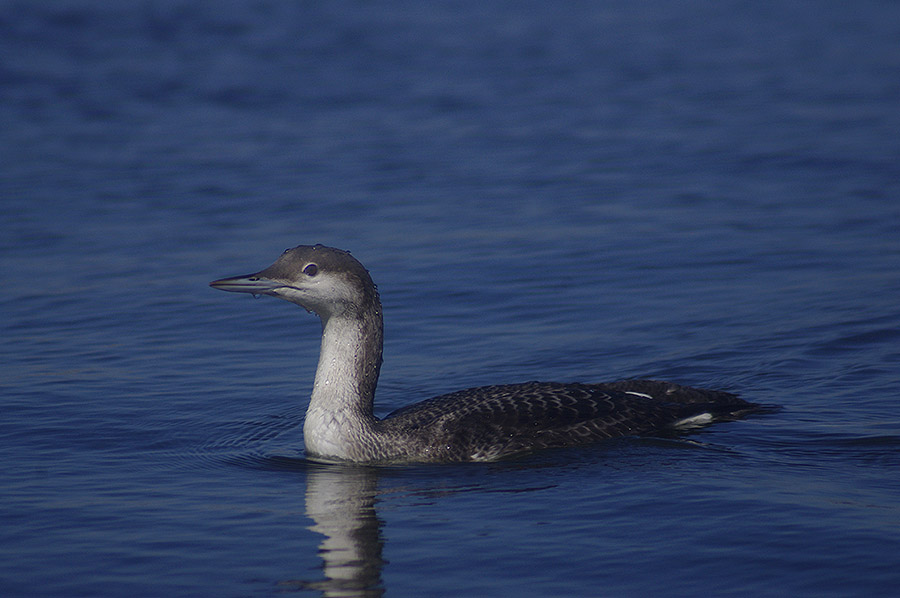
477,424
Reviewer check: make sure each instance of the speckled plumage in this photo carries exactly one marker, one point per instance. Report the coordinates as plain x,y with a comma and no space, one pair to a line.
476,424
491,422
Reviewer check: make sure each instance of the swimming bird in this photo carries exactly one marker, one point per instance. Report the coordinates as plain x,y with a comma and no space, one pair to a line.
477,424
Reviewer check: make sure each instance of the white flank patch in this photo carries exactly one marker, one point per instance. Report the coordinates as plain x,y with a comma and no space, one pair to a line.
694,420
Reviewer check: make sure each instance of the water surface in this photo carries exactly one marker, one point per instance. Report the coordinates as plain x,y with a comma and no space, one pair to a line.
701,192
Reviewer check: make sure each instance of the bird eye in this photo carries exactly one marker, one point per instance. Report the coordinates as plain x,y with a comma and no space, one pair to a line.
311,270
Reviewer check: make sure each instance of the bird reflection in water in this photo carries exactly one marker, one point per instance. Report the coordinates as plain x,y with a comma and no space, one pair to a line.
341,502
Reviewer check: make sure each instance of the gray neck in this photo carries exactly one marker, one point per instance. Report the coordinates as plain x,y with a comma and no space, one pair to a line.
340,409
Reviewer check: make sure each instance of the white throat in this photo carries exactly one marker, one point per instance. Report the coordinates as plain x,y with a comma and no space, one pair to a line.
340,408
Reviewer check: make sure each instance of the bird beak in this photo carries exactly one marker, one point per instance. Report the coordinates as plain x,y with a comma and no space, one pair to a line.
249,283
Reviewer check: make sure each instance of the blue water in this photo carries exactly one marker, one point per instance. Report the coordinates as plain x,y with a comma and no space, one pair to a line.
705,192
